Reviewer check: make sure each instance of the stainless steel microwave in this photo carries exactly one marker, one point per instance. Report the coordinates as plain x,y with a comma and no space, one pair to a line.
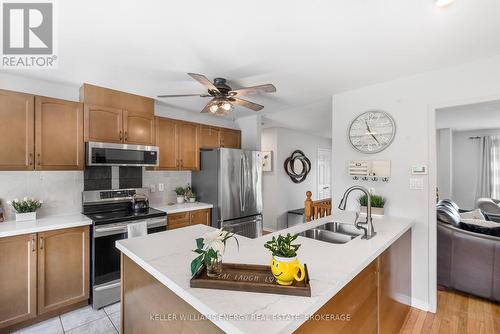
111,154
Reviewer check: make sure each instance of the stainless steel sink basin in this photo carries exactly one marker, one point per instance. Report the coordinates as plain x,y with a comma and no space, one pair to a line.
333,232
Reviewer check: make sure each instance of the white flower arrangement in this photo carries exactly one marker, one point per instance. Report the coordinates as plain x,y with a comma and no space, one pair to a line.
26,205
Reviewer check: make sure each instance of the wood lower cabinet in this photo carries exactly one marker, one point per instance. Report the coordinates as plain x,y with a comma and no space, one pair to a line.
230,138
188,146
178,220
183,219
17,279
63,268
209,137
103,124
200,217
17,130
138,128
59,134
42,274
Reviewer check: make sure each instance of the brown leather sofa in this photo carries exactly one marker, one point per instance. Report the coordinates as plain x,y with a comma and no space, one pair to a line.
466,261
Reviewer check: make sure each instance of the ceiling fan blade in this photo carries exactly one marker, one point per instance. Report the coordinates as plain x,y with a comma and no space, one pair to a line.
207,107
246,104
204,81
268,88
184,95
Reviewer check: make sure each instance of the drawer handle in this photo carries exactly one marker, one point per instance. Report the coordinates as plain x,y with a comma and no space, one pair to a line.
41,242
33,244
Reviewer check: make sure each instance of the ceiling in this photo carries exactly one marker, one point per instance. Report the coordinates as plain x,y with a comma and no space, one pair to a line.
485,115
309,50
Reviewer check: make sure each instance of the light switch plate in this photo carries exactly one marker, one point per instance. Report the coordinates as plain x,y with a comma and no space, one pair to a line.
161,187
152,188
416,184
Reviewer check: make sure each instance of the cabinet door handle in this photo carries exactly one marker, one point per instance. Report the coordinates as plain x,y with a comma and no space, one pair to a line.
30,159
39,158
120,135
126,136
41,242
33,244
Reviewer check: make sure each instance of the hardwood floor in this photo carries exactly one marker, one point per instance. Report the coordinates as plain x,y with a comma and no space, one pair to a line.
457,313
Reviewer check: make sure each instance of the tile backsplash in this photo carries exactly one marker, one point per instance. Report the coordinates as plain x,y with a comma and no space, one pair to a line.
61,191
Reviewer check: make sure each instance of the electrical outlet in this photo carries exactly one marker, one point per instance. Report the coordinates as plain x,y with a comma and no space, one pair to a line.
161,187
152,188
371,190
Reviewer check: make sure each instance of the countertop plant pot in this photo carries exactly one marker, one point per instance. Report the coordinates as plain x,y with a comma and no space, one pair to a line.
375,211
192,200
287,269
180,199
21,217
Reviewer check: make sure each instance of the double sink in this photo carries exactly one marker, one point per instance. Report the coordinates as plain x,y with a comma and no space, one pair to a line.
333,232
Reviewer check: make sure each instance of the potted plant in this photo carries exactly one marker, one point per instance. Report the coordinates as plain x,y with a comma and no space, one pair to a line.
190,197
210,249
180,191
25,209
378,203
284,264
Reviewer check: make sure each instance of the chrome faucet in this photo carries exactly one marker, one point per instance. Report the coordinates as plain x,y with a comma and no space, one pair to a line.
369,231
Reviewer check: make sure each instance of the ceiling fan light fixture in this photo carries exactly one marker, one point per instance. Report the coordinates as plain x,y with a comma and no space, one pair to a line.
213,108
227,106
443,3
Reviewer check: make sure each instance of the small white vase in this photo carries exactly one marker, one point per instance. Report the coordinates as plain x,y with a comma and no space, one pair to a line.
192,200
180,199
21,217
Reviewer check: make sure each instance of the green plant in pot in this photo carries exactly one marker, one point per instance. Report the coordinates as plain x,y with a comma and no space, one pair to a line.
284,264
180,192
377,201
26,208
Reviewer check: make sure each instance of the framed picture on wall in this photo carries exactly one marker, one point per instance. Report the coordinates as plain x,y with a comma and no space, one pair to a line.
267,161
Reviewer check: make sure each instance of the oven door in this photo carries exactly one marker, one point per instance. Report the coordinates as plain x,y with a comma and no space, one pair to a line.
110,154
106,259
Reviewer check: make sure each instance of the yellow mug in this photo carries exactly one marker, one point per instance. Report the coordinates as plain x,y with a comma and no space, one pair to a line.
286,269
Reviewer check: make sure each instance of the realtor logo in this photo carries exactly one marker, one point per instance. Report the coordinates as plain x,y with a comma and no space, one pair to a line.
28,35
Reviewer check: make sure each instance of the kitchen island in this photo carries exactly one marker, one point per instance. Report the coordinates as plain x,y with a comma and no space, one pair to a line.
361,285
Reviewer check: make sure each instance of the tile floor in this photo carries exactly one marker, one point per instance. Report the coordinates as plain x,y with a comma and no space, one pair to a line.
84,320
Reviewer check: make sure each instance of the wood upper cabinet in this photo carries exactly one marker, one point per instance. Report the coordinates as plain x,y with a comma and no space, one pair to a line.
103,124
188,146
179,144
17,279
139,128
230,138
63,268
166,141
17,130
59,134
200,217
209,137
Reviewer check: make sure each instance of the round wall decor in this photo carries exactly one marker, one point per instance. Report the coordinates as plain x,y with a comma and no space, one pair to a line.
297,166
372,131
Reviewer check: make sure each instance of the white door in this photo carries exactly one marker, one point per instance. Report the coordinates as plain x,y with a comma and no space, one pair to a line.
324,173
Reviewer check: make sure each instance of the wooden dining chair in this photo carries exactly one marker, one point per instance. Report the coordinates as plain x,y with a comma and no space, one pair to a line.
316,209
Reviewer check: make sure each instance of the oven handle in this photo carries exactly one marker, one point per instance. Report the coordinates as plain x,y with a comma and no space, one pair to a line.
103,231
107,287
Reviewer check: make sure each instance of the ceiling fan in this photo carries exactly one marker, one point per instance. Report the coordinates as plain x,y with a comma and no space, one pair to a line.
224,97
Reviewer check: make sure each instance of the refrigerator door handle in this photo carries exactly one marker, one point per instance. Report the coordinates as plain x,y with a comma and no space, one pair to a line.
241,184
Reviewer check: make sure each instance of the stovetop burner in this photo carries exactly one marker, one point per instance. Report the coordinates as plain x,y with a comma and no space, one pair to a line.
109,217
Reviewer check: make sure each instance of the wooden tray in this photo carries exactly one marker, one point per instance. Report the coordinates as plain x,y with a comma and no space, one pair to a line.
250,278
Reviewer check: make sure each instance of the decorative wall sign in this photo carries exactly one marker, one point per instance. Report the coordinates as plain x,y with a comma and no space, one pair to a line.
297,166
267,161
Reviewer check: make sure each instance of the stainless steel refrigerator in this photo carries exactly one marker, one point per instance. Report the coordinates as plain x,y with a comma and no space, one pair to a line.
231,180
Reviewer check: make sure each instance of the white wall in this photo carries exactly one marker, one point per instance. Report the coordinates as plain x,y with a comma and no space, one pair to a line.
444,141
251,132
412,102
280,194
466,159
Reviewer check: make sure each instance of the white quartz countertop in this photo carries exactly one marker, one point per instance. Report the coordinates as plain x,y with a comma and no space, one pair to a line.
47,223
176,208
167,256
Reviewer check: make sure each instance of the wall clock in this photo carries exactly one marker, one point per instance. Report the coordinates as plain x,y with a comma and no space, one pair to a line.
372,131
